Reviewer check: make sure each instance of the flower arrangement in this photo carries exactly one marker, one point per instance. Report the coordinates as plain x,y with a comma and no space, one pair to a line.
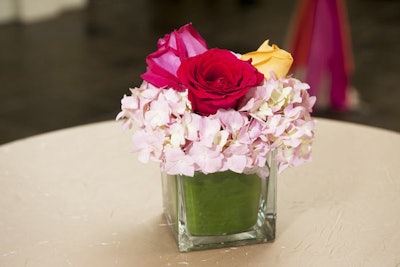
212,110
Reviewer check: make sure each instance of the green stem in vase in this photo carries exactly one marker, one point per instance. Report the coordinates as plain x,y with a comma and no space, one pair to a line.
221,203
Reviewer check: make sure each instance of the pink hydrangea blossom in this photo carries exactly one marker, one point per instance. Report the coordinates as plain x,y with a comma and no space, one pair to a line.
274,116
207,159
177,162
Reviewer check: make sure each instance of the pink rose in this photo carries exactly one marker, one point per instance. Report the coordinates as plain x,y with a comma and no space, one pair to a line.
217,79
162,65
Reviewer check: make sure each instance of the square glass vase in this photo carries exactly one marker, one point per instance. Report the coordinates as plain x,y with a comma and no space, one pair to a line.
223,209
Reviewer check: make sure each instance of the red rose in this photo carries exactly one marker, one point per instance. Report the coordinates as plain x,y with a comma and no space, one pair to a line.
217,79
172,49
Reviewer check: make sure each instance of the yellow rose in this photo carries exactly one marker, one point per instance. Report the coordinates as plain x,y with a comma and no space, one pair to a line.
270,58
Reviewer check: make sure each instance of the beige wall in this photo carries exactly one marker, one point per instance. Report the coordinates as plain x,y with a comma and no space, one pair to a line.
27,11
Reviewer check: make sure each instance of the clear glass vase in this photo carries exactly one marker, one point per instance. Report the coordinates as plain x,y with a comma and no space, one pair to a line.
221,209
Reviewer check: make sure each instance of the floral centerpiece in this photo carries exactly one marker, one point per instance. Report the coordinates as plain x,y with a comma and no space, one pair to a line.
219,123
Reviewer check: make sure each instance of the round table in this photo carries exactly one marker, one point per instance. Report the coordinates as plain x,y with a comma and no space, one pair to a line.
78,197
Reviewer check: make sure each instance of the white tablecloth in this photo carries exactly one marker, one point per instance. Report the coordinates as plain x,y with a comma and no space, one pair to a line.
78,197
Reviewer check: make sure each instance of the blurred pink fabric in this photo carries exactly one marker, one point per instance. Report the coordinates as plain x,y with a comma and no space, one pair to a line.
320,44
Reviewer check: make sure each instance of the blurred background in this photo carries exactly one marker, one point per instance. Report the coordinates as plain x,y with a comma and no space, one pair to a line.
69,62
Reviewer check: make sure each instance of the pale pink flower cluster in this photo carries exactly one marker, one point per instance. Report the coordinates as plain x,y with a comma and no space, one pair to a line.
273,116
